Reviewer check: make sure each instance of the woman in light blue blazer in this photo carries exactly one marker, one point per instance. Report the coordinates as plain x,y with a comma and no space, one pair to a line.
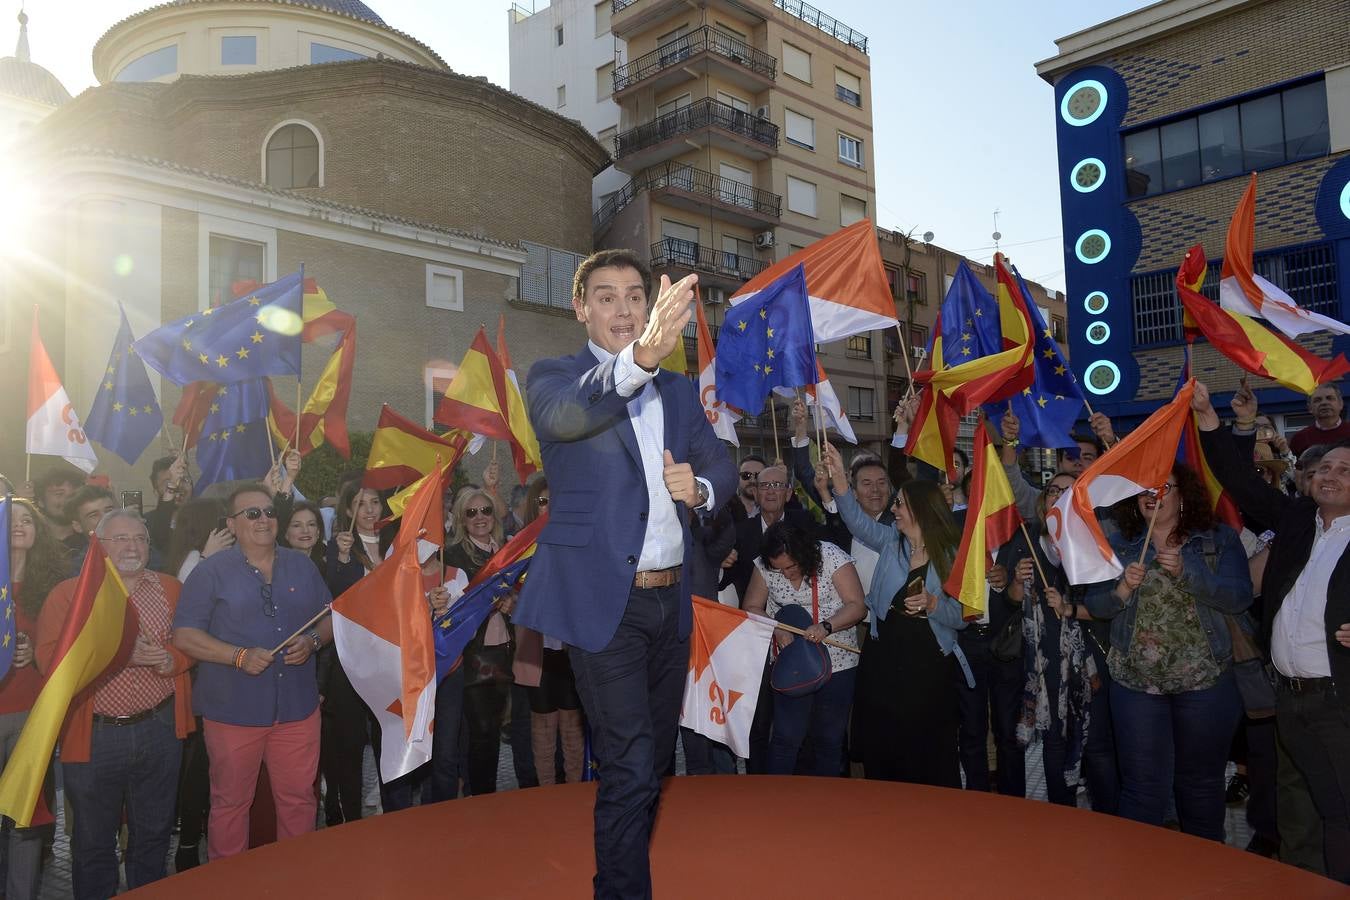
905,714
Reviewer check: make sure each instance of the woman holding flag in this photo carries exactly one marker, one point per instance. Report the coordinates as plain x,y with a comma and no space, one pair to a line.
1174,700
905,714
37,561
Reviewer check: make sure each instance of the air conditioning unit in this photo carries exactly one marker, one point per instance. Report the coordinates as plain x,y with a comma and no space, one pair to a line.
762,112
714,297
764,240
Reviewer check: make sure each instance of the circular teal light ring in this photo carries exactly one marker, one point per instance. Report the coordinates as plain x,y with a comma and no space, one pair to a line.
1102,364
1345,200
1101,179
1101,107
1078,246
1087,303
1106,333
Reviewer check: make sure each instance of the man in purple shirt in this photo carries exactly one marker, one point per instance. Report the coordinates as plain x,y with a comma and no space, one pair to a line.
255,705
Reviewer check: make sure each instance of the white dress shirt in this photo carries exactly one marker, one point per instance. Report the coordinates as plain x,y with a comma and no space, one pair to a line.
663,542
1298,642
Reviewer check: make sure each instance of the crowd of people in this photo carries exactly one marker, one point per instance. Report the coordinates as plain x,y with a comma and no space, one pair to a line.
232,719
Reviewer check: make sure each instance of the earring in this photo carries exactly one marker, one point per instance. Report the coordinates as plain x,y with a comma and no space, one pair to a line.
1181,506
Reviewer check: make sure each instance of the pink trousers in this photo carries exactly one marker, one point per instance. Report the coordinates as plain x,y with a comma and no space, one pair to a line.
291,750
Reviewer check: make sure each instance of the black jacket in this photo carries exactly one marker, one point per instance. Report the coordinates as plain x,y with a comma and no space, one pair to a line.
1294,521
749,541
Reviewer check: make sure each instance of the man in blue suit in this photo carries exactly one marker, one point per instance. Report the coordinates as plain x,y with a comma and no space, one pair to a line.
629,454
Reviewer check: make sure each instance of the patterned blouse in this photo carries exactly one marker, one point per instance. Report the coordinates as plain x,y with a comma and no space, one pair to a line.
782,593
1169,653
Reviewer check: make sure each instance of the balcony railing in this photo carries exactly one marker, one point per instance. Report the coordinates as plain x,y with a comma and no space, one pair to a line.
687,254
700,114
809,14
705,39
621,5
680,177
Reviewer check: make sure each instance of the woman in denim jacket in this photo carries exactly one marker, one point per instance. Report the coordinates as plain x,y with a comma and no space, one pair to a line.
1174,702
905,714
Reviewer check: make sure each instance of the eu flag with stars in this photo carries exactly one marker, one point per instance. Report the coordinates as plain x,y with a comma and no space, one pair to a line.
8,634
233,443
254,336
969,316
126,416
453,630
1049,407
767,342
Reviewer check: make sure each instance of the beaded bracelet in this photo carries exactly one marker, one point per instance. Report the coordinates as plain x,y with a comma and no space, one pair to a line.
239,658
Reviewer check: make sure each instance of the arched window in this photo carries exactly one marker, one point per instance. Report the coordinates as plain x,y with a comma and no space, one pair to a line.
293,158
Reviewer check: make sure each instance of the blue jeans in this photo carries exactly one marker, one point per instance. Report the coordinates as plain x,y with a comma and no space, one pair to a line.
1098,767
1176,745
704,756
445,758
996,698
133,767
631,691
823,716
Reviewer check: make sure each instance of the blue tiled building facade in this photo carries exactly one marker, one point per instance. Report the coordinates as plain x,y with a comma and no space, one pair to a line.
1160,117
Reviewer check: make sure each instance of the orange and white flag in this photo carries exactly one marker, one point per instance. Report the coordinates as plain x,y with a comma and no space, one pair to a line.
1141,462
1243,291
722,417
831,410
53,427
726,664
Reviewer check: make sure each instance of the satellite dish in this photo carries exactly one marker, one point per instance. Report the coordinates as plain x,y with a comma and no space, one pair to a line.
997,235
928,237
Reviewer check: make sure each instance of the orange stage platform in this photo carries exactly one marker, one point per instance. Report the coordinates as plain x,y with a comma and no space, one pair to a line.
744,837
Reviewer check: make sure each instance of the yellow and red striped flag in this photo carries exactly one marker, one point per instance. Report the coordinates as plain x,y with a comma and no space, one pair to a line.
483,400
402,452
99,629
1247,342
991,520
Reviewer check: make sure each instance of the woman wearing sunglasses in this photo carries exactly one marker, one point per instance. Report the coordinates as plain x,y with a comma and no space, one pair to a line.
1174,701
477,534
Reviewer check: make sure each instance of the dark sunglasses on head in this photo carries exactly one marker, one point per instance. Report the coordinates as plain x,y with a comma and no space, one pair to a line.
254,513
471,511
746,476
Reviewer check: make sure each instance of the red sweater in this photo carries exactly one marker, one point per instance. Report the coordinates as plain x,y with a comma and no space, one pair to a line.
1312,436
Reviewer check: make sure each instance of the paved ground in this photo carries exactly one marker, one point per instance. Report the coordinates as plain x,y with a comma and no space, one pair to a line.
56,875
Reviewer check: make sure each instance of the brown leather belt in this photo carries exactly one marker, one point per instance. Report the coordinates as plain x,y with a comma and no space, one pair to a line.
134,717
657,578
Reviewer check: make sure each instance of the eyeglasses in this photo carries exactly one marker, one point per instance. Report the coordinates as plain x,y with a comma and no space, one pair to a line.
1264,472
471,511
121,539
542,501
269,608
1166,489
773,485
254,513
747,476
1054,490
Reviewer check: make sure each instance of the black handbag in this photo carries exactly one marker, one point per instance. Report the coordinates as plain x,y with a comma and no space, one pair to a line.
1250,673
488,665
1007,644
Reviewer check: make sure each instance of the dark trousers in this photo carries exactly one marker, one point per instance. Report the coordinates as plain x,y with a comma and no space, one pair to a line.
194,789
133,768
632,692
445,767
343,734
1097,769
761,727
484,709
821,716
704,756
1176,745
522,750
1315,730
1262,762
997,699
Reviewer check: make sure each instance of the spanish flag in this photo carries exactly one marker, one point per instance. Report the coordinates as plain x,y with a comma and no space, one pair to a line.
402,452
483,400
324,416
991,520
1245,341
99,630
1193,455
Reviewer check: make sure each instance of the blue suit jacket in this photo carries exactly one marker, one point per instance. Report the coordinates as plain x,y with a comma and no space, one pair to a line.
582,572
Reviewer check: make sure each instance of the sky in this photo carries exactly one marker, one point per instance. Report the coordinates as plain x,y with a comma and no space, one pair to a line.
963,125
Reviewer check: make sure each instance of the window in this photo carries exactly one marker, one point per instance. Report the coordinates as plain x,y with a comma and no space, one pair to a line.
293,158
850,150
546,276
801,196
679,231
735,252
1265,131
603,9
671,105
604,81
1057,329
918,341
232,261
324,53
736,185
893,281
848,88
239,50
799,129
851,210
558,35
915,288
155,64
562,95
861,403
445,288
733,101
796,62
860,346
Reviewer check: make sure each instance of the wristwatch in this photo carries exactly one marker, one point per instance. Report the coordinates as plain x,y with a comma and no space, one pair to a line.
702,490
314,636
825,623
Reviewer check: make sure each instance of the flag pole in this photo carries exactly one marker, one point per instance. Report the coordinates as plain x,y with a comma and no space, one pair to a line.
298,401
301,630
831,641
773,416
1045,582
1151,520
904,354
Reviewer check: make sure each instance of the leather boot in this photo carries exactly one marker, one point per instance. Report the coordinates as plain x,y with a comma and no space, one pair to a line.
543,740
573,743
